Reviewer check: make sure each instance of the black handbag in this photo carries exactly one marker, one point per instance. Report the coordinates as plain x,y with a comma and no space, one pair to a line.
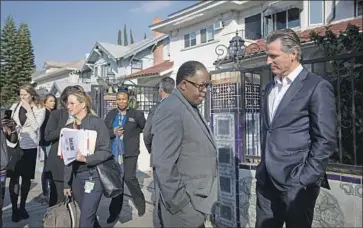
111,177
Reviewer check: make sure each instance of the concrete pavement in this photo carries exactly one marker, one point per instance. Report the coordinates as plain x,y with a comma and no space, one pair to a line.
128,217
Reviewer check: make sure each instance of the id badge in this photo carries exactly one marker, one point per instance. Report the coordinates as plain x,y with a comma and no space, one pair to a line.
88,186
120,159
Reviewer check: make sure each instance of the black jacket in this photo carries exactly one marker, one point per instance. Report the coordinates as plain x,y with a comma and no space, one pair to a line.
102,150
54,166
42,141
133,128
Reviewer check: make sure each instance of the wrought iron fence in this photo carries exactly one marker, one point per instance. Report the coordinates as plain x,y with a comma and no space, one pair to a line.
345,73
241,96
141,98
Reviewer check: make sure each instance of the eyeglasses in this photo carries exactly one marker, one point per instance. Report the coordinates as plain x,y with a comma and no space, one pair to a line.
200,87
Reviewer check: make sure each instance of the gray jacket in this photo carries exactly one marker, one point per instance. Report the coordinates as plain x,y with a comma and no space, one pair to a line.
184,156
4,152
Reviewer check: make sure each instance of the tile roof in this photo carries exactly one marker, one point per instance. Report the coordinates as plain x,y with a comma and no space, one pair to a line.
252,50
305,34
154,70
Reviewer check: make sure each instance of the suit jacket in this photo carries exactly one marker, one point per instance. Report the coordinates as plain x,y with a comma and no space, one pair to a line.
148,137
133,128
299,140
55,165
30,131
184,156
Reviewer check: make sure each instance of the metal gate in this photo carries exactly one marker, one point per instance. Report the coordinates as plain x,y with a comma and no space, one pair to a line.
233,104
141,97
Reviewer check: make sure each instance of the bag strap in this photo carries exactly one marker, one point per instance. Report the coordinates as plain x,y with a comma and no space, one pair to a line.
16,107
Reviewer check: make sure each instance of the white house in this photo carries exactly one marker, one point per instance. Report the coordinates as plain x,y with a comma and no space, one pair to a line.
54,72
112,63
196,31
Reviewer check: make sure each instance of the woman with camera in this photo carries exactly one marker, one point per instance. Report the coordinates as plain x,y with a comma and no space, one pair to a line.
28,115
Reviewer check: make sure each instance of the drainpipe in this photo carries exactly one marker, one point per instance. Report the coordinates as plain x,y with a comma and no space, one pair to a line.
333,12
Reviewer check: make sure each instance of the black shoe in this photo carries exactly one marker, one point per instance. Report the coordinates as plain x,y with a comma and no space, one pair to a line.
15,217
23,213
141,211
112,218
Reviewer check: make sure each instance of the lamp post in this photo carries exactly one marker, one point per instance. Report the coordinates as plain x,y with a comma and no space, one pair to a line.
235,51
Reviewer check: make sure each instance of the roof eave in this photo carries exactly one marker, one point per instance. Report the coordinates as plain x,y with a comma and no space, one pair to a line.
143,47
163,25
51,74
88,57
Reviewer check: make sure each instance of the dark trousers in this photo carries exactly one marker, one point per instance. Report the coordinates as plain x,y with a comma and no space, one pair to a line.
294,206
132,183
45,181
56,194
88,202
186,217
2,189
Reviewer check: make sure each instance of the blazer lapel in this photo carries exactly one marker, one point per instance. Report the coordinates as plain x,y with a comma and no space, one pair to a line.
266,113
198,118
294,88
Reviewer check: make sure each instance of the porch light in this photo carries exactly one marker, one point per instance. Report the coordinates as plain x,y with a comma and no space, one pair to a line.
236,49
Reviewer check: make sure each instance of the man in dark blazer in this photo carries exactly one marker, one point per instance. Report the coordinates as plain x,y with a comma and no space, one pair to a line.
135,122
298,136
166,86
184,152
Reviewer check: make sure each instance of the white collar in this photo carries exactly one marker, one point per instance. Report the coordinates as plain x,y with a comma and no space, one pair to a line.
290,77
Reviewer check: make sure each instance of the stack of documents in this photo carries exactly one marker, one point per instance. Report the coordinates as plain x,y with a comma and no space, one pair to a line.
73,140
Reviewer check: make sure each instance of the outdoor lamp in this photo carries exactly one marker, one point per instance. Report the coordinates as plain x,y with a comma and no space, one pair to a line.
236,48
235,51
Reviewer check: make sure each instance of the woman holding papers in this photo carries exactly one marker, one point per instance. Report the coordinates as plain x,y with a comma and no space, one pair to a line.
125,125
28,115
81,178
54,167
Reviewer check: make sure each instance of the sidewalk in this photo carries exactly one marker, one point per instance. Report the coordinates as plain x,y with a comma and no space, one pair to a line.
128,217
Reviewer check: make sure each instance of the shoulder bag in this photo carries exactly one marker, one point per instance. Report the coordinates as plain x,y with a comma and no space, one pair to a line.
111,177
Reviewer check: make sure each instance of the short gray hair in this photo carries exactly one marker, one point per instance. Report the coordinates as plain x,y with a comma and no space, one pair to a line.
289,41
167,84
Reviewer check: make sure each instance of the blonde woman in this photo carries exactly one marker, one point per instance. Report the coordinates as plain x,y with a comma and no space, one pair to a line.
28,115
81,178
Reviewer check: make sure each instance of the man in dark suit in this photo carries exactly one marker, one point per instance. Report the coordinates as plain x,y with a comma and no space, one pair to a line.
298,136
166,86
184,152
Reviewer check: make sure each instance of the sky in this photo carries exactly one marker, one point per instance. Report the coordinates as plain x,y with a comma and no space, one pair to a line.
67,30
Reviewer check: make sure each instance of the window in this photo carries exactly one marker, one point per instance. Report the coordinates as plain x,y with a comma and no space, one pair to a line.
190,40
316,12
285,19
136,65
207,35
253,27
358,8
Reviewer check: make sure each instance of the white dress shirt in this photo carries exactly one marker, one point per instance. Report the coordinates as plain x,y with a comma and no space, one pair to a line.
279,90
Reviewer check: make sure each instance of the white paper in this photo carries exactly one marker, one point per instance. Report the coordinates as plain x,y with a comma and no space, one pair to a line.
73,140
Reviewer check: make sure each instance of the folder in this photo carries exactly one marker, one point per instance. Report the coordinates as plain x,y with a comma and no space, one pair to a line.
73,140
